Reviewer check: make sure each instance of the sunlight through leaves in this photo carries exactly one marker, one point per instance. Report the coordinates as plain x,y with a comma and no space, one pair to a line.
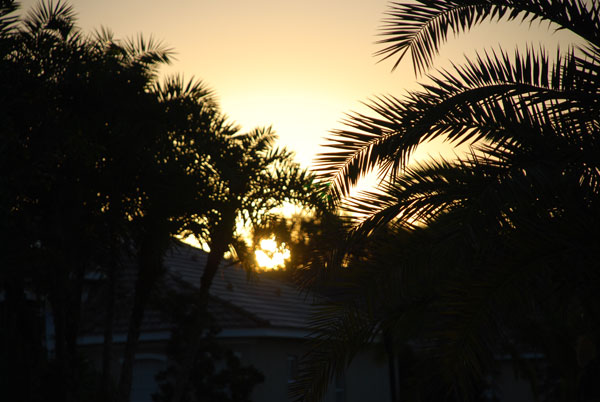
271,255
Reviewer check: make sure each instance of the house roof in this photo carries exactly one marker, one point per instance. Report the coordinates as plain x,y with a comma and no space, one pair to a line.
243,305
267,302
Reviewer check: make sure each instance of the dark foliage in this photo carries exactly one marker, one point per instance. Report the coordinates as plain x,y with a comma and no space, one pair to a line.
103,164
491,254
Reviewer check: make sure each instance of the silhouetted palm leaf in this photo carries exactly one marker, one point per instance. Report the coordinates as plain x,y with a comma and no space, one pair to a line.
8,19
51,17
445,251
484,99
422,27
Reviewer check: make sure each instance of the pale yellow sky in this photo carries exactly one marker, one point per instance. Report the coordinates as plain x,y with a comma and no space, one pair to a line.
295,65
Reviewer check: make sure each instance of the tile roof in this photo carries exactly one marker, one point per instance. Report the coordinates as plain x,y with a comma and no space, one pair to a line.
268,301
238,301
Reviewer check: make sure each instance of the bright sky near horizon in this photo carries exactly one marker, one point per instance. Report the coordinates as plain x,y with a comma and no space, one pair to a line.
298,66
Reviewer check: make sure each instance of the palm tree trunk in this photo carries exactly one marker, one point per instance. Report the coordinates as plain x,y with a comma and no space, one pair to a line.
60,297
18,344
108,327
58,303
391,368
220,241
73,310
150,269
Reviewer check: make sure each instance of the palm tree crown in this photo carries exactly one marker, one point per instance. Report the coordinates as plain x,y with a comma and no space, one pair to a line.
507,226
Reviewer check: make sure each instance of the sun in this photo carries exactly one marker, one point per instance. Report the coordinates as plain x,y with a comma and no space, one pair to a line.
271,255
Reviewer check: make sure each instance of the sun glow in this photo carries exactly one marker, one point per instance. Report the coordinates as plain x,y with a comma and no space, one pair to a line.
271,255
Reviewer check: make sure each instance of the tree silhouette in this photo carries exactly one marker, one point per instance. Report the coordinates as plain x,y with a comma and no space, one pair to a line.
251,179
104,163
506,228
75,192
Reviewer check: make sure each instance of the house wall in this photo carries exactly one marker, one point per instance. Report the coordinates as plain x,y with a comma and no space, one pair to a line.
508,386
143,384
365,380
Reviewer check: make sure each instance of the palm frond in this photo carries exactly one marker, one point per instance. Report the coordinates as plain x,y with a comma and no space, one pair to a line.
175,87
422,27
260,140
484,99
489,232
444,287
339,333
8,19
50,16
147,51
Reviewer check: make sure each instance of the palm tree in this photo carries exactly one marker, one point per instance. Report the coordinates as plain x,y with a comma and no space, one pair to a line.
250,179
74,107
172,191
507,227
76,198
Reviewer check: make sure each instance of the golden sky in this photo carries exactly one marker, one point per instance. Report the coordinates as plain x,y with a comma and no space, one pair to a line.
295,65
